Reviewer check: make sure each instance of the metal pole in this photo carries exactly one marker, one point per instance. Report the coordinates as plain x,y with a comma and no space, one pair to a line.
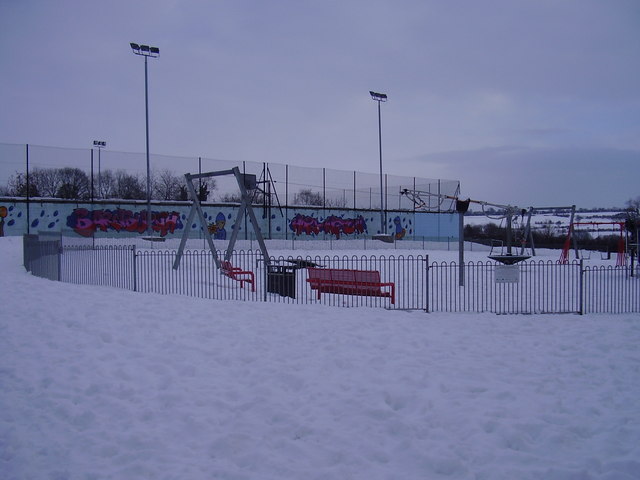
92,178
324,188
99,178
146,111
382,223
461,249
28,193
354,190
509,236
200,179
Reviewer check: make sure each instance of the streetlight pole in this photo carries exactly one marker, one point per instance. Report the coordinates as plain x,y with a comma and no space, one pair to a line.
380,97
154,52
99,144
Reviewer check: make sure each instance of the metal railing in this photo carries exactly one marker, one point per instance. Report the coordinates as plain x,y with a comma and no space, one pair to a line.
541,287
41,257
538,287
109,266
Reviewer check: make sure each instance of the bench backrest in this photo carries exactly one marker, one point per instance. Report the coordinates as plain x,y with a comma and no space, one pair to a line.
342,275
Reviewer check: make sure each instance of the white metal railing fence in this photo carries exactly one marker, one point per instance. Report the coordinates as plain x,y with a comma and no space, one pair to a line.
536,287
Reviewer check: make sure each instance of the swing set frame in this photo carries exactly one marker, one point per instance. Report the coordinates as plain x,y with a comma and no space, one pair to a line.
621,257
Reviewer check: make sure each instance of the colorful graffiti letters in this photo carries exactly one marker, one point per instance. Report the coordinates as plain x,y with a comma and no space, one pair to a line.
333,225
85,222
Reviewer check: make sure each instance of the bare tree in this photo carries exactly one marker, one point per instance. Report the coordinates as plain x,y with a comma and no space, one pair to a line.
17,186
633,203
203,189
47,180
107,186
231,198
128,187
166,185
306,196
74,184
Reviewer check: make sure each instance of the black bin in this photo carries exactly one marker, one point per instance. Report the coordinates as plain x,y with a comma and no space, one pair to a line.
281,279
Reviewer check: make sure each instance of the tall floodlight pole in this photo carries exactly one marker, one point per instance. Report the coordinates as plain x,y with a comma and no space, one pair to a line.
380,97
154,52
99,144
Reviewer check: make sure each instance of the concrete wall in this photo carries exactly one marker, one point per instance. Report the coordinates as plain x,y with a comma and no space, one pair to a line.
120,219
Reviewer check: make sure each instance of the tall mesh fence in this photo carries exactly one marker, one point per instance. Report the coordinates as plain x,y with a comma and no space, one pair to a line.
279,184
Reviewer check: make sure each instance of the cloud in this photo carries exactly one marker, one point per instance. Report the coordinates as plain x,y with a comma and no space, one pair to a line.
529,176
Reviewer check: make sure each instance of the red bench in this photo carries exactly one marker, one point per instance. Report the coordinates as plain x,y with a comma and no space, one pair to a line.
236,273
350,282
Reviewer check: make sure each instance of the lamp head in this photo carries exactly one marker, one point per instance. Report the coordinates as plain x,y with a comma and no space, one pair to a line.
378,97
145,50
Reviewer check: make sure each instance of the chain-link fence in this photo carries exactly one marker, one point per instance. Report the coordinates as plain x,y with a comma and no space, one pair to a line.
27,170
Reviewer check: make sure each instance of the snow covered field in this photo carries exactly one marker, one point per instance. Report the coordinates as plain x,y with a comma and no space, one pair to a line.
100,383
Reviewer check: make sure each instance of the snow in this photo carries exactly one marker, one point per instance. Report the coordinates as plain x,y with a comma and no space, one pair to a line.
101,383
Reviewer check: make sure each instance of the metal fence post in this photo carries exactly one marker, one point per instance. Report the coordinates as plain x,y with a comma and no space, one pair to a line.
426,307
59,260
135,285
581,286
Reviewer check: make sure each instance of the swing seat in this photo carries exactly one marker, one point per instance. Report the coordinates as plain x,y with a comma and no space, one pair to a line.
236,273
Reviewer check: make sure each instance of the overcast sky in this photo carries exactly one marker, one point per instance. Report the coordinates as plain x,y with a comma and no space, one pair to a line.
525,102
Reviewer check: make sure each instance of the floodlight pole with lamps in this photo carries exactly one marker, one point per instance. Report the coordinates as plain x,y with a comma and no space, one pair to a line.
154,52
380,97
99,144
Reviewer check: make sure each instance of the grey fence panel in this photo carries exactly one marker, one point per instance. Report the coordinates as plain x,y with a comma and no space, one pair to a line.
41,258
197,275
609,289
110,265
541,287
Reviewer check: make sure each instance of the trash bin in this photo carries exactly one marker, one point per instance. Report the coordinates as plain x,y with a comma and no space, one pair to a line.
281,279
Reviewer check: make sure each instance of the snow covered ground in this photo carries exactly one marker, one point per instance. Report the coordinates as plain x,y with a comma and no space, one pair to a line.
100,383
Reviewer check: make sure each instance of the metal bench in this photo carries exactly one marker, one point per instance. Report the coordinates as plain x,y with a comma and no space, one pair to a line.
365,283
236,273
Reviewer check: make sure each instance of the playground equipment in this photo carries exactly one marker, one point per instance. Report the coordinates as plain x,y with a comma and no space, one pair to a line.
280,279
556,211
621,258
246,183
422,200
265,186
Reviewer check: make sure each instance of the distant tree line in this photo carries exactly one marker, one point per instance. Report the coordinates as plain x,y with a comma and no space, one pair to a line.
545,237
74,184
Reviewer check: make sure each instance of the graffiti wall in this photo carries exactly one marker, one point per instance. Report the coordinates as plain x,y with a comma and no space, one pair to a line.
334,225
167,220
109,220
86,222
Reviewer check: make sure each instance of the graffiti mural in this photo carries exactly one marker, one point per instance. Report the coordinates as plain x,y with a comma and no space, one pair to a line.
332,225
85,222
399,231
217,229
